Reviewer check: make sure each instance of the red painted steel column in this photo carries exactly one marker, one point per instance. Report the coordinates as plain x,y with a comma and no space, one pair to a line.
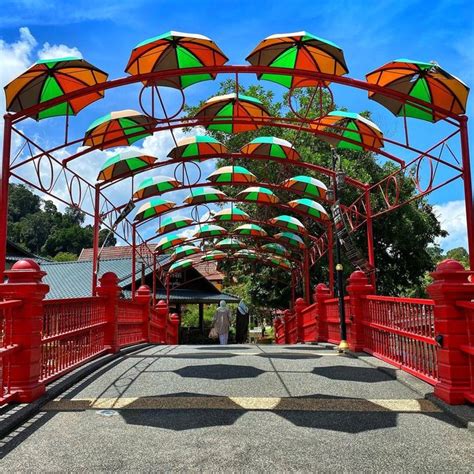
24,283
154,281
322,293
134,263
451,284
469,203
300,305
95,243
358,287
143,296
370,237
4,178
110,290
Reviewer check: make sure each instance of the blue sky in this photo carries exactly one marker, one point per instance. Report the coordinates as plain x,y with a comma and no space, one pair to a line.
371,33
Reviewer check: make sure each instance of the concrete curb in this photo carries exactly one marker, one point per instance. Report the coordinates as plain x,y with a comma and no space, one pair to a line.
14,415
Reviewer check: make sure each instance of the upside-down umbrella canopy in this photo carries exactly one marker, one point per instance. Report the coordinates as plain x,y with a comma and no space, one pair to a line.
203,195
428,82
154,186
124,164
231,214
300,50
170,241
173,223
175,50
51,78
306,185
276,249
290,238
213,255
210,230
152,208
250,229
310,207
197,147
232,174
258,194
184,251
117,128
180,265
246,253
224,112
290,223
279,261
350,126
272,147
230,243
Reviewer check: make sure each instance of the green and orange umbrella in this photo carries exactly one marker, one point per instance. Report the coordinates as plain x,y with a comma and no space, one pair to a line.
246,253
298,51
184,251
205,195
257,194
276,249
310,207
279,262
180,265
49,79
232,174
428,82
288,222
307,186
121,128
231,214
291,239
197,147
271,147
125,164
152,208
170,241
214,256
173,51
174,223
349,126
230,243
233,114
210,230
250,229
155,186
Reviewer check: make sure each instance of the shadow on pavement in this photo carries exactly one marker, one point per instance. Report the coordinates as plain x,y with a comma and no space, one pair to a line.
228,347
279,355
219,371
351,374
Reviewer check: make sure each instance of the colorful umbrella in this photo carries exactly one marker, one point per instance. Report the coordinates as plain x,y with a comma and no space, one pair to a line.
214,255
272,147
250,229
300,50
154,207
184,251
350,126
257,194
173,223
230,110
290,238
276,249
170,241
116,128
204,195
424,81
233,214
279,262
246,253
307,186
198,147
210,230
290,223
51,78
125,164
174,50
155,186
180,265
230,243
308,206
232,174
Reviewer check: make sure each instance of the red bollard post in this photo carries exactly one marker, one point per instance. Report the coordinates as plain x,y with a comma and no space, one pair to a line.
143,296
358,287
300,305
279,331
291,328
173,329
321,294
110,290
451,286
25,284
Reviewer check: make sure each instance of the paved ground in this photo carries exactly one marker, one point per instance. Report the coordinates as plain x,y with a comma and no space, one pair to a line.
239,408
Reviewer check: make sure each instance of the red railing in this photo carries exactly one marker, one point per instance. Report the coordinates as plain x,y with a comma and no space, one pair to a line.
332,320
401,331
468,349
132,322
7,348
158,319
73,333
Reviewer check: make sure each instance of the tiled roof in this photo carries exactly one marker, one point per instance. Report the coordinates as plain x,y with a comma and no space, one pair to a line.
193,296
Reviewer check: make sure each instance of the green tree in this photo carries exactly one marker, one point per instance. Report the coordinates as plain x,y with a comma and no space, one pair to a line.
460,254
65,257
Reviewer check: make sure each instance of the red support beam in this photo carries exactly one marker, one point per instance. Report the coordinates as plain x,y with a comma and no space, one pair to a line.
4,179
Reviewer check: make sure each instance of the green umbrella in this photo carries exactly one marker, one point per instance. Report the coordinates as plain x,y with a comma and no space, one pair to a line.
197,147
310,207
250,229
184,251
257,194
154,207
154,186
246,253
280,262
214,256
170,241
173,223
290,238
272,147
233,214
230,243
306,185
180,265
276,249
232,174
204,195
290,223
210,230
125,164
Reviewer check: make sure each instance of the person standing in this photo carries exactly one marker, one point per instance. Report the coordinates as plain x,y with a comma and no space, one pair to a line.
242,323
221,322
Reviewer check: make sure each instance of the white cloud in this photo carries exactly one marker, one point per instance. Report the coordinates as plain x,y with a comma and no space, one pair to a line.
54,51
452,216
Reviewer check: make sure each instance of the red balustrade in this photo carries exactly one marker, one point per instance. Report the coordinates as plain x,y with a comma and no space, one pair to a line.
332,321
158,322
131,323
468,349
